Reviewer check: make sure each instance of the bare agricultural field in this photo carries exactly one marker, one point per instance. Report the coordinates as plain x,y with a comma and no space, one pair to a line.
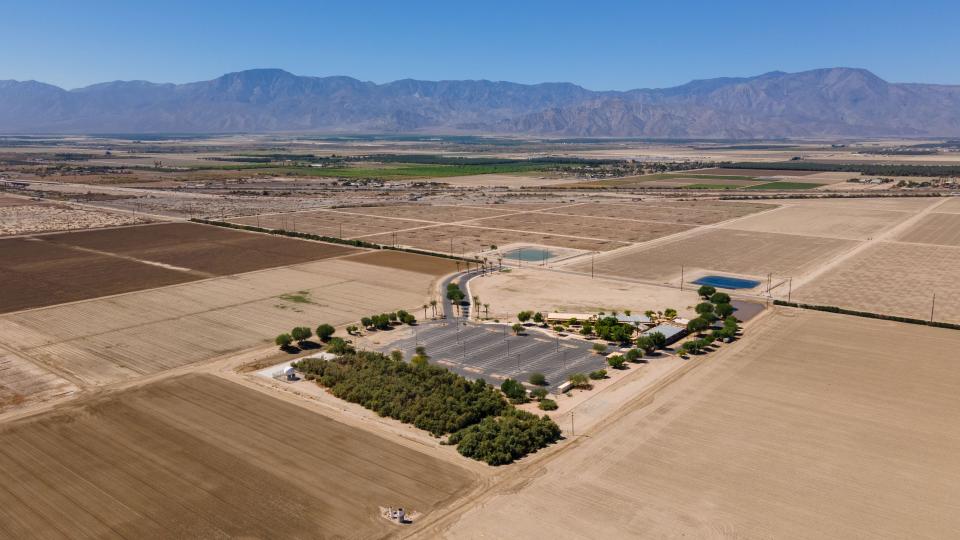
424,212
682,212
200,457
752,172
813,426
841,204
503,180
22,382
468,240
934,228
951,206
202,248
721,250
327,223
411,262
112,339
593,227
852,223
892,278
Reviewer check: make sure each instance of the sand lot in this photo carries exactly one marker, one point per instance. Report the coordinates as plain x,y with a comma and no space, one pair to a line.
822,426
411,262
935,228
75,266
896,204
523,289
503,180
472,239
199,457
36,218
894,278
720,250
611,229
851,223
692,213
111,339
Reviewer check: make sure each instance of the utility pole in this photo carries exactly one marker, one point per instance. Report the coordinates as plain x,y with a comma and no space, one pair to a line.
341,231
790,290
592,256
681,277
573,431
933,304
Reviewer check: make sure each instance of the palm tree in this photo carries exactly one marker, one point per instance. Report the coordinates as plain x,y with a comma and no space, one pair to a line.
486,309
476,303
424,311
433,305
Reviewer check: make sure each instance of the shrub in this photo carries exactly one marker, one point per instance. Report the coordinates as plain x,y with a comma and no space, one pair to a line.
538,379
409,319
558,328
598,374
538,393
599,348
617,362
633,355
352,329
578,380
548,405
514,390
670,313
517,328
338,346
325,331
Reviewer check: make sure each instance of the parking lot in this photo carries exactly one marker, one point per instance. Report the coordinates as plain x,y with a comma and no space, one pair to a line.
493,352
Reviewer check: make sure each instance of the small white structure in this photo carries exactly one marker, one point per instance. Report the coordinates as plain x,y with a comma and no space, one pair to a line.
289,373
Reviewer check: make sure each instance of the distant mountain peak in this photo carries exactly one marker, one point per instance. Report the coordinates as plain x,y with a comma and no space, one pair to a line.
825,102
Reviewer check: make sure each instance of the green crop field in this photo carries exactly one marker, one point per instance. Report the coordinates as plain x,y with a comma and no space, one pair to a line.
713,186
409,172
786,185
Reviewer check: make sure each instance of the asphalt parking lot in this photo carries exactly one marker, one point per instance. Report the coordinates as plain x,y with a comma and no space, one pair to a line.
493,352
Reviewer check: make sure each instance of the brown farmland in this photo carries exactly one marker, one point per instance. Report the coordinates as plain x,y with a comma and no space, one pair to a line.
747,253
472,239
692,213
934,228
441,214
852,223
604,228
892,278
813,426
752,172
326,223
107,340
411,262
200,457
73,266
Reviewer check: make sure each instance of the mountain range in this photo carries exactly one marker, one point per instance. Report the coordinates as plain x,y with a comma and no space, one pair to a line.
834,102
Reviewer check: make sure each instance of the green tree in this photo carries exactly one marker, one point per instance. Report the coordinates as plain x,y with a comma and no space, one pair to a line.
704,308
670,313
598,374
366,322
325,331
538,393
578,380
697,325
517,328
633,355
409,319
301,334
538,379
558,328
720,298
538,317
338,346
283,340
706,291
396,355
723,310
524,316
658,340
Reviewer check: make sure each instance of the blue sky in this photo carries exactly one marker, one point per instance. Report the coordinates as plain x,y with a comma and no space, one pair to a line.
597,44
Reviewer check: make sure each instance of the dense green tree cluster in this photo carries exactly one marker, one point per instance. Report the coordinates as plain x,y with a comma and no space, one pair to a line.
870,169
610,329
482,423
501,440
429,397
514,390
384,321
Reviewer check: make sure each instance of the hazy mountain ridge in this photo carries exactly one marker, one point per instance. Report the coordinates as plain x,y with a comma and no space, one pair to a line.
825,102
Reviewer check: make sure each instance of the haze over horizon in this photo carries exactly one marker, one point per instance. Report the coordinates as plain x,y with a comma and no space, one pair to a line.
611,46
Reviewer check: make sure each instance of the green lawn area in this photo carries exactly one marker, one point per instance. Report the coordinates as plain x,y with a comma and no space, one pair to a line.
786,185
713,186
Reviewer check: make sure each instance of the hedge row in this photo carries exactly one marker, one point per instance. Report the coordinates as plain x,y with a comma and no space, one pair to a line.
868,315
328,239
